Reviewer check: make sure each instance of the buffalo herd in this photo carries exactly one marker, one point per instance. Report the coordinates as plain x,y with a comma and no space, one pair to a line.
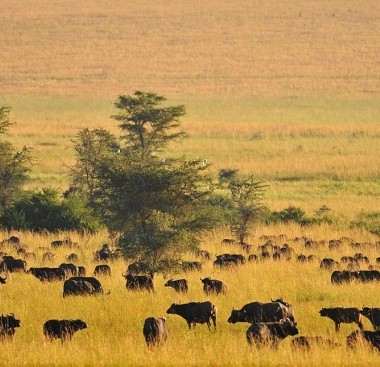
270,322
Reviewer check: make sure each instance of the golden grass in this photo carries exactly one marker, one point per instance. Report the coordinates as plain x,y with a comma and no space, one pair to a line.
281,91
114,335
207,47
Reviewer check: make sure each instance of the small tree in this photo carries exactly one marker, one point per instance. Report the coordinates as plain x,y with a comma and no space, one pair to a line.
159,206
147,126
246,196
14,165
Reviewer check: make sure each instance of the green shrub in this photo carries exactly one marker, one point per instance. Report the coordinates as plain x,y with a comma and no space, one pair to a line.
369,221
45,210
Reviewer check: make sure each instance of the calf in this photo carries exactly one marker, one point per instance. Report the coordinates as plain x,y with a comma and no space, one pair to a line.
195,313
8,324
360,336
155,331
270,333
342,315
373,315
179,285
213,286
62,329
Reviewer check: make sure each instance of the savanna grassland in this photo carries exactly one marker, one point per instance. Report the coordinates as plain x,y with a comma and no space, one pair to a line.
114,334
288,91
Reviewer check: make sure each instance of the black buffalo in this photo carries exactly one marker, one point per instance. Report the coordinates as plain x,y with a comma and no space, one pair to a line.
8,324
270,333
70,270
62,329
191,265
72,257
373,315
48,256
213,286
140,268
48,274
82,286
179,285
226,260
12,265
360,336
155,331
67,242
139,282
328,263
195,313
107,253
257,312
342,315
102,270
81,271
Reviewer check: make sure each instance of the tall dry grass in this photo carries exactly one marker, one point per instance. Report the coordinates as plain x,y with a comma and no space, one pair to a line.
114,334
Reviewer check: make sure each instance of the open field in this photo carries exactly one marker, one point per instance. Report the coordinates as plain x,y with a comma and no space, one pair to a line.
114,334
289,92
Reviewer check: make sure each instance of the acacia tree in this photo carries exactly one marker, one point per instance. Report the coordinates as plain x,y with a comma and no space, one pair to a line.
14,165
159,206
247,201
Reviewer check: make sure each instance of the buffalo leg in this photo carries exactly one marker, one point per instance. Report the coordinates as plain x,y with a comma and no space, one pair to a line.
337,326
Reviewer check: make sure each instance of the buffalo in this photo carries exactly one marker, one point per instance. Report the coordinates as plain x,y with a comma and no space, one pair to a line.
82,286
226,260
191,265
257,312
139,282
155,331
270,333
106,253
72,257
48,256
343,315
195,313
140,268
70,270
62,329
213,286
102,270
12,265
373,315
67,242
8,324
359,336
179,285
328,263
48,274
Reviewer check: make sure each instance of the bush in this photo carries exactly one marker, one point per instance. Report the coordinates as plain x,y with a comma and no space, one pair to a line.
46,211
369,221
294,214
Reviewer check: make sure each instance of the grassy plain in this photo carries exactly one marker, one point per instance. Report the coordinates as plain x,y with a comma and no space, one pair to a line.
114,334
288,91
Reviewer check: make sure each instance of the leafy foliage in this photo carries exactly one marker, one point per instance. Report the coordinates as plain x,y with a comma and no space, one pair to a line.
14,165
247,205
369,221
45,211
158,206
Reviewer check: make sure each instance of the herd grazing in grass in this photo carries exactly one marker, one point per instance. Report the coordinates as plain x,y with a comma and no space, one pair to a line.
270,322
